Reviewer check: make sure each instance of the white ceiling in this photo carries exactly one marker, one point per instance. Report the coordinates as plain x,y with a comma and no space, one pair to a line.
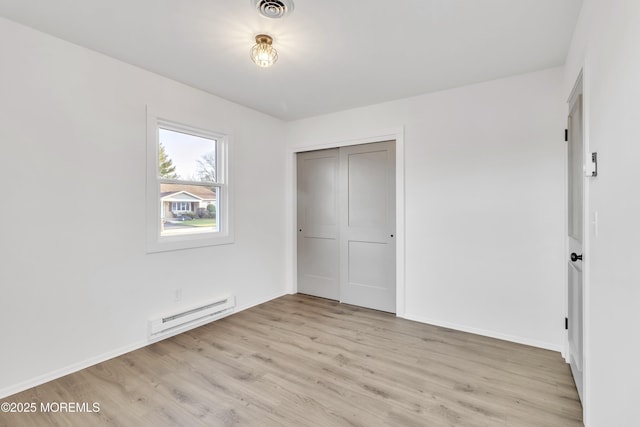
334,54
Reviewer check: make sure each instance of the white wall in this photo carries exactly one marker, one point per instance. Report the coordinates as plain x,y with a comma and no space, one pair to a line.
484,171
606,45
76,284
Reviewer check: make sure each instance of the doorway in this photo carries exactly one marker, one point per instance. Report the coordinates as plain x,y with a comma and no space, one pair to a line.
346,225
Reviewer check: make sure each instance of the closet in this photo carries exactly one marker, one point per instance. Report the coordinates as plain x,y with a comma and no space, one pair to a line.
346,224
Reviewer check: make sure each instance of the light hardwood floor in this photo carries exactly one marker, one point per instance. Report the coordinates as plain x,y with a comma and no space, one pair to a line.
305,361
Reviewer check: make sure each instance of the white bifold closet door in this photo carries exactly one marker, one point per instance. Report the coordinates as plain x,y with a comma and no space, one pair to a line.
346,224
318,246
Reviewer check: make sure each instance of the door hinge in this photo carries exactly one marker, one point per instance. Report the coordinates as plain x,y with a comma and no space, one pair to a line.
592,168
566,135
566,323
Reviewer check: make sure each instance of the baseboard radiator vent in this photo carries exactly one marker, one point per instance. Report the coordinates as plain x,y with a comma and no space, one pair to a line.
191,317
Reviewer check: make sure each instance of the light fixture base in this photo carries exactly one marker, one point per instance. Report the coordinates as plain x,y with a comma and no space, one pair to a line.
264,38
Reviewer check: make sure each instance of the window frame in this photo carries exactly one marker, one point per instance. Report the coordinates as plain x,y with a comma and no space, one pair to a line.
176,208
178,122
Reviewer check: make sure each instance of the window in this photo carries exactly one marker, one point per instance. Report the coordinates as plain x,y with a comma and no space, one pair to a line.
187,186
181,207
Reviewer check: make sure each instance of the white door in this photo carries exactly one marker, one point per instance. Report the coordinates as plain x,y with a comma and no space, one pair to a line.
367,233
318,256
575,180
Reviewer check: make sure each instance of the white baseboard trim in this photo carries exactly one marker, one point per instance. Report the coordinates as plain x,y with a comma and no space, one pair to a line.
486,333
247,306
75,367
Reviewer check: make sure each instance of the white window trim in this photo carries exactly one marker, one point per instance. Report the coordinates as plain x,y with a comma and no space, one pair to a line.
180,122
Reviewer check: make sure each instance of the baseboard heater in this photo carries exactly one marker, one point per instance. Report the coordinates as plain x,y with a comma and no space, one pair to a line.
191,317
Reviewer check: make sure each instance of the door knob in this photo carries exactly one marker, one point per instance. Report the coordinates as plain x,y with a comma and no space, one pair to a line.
575,257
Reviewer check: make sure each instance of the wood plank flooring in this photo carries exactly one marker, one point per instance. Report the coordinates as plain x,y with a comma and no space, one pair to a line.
305,361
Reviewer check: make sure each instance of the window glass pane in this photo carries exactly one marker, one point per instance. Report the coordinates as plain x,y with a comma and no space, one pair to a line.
186,157
188,209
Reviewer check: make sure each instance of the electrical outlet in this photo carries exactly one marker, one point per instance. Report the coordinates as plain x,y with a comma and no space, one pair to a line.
177,295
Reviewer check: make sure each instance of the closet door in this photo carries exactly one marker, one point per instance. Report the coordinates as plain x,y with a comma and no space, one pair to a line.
367,232
318,226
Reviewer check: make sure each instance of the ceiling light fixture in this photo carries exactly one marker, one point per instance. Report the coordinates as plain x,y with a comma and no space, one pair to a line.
263,53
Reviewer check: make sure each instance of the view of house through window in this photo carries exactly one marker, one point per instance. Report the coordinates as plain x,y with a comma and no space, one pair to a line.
189,190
